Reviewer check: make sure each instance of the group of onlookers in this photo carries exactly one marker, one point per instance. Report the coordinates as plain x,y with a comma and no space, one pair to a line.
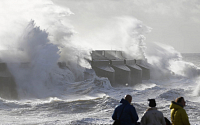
126,113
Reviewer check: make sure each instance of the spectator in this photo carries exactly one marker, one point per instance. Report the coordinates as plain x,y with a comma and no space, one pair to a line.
125,112
152,116
178,113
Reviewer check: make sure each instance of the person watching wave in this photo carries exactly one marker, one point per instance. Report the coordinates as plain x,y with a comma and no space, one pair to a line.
178,113
152,116
125,112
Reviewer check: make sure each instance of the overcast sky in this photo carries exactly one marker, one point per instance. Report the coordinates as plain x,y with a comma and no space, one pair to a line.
173,22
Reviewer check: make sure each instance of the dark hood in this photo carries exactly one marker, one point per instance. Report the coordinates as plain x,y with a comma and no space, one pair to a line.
125,102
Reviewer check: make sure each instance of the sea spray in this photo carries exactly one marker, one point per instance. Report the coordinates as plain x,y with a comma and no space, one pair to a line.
57,85
159,57
196,90
41,57
48,16
185,69
133,31
122,33
34,38
76,60
39,75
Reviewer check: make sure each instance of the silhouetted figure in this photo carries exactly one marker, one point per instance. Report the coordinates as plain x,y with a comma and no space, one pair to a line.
126,112
178,113
152,116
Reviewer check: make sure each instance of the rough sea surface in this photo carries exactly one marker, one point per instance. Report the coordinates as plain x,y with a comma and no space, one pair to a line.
39,35
92,101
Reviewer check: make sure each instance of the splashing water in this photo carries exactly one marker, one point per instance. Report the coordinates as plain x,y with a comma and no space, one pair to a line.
36,35
38,50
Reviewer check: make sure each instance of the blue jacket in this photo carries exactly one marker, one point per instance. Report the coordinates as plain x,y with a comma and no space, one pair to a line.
129,115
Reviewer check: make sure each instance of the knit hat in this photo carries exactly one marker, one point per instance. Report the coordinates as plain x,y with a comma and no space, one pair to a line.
152,102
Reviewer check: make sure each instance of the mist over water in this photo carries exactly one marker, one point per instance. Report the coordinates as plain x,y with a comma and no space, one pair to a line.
44,36
36,35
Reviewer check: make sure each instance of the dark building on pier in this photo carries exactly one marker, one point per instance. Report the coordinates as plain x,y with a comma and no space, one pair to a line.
119,70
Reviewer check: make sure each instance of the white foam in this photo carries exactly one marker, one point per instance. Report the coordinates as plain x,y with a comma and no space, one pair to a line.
50,38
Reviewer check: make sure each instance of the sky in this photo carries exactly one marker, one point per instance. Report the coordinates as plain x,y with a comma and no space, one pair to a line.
172,22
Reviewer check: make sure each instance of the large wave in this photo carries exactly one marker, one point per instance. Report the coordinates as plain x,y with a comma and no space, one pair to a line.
165,63
36,36
32,52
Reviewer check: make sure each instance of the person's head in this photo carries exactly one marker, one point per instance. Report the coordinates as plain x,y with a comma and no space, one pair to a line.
152,102
180,100
128,98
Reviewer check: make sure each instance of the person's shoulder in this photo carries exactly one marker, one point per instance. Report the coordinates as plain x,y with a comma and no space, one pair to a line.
148,113
118,106
154,110
160,112
182,110
131,105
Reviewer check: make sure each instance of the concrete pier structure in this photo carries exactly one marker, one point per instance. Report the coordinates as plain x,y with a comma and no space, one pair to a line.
7,83
122,72
118,69
104,69
136,71
145,70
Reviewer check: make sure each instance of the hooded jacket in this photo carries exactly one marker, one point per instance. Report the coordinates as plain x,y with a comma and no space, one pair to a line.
153,117
178,114
129,115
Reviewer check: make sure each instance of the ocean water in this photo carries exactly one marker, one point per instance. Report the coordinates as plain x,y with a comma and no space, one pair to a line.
92,101
39,34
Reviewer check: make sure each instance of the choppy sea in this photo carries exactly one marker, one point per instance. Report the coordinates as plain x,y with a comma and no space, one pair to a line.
40,34
92,101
